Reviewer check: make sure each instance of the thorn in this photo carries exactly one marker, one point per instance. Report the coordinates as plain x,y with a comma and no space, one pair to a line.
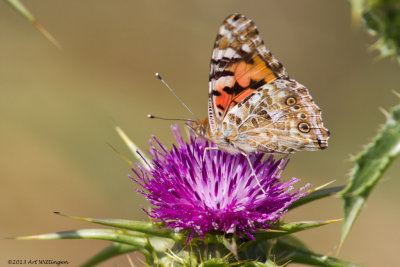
46,34
130,260
275,231
17,5
384,112
396,93
57,212
141,157
123,157
322,186
335,220
339,248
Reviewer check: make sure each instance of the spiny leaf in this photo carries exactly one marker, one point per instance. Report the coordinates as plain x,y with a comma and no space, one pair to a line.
101,234
181,257
315,195
130,238
268,263
382,19
280,230
214,263
289,228
293,241
230,244
370,166
289,252
114,250
142,227
257,252
17,5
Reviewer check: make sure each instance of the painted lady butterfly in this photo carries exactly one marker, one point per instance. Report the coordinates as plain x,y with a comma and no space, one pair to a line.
253,104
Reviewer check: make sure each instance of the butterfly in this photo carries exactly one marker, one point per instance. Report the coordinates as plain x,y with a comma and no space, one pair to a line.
253,105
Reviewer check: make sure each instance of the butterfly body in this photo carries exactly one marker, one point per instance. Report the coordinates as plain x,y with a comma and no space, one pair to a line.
253,104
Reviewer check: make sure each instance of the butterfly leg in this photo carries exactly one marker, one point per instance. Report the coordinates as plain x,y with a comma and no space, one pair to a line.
253,172
208,148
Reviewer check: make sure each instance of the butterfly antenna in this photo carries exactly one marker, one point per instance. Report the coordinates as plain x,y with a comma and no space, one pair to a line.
165,119
172,91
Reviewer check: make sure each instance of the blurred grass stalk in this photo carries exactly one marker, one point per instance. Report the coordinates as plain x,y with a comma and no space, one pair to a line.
17,5
382,19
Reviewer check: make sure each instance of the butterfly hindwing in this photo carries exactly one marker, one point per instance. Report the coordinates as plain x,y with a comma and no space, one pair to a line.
279,117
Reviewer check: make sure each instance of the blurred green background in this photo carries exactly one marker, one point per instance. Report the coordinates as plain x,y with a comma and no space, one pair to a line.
58,110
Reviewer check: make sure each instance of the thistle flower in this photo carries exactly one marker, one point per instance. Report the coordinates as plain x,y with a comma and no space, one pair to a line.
204,190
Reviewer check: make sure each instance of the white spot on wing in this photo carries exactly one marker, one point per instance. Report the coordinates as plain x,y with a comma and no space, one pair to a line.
226,53
246,48
223,30
225,81
231,53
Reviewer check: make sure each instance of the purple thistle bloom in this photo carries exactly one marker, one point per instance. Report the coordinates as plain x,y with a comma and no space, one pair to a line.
218,192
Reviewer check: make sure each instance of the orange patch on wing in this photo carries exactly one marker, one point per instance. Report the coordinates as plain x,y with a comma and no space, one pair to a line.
241,74
245,73
242,96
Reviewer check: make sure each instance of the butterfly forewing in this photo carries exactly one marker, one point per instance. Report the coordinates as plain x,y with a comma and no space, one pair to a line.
240,64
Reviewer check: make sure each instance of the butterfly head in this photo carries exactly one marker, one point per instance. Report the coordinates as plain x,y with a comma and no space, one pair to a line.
199,127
